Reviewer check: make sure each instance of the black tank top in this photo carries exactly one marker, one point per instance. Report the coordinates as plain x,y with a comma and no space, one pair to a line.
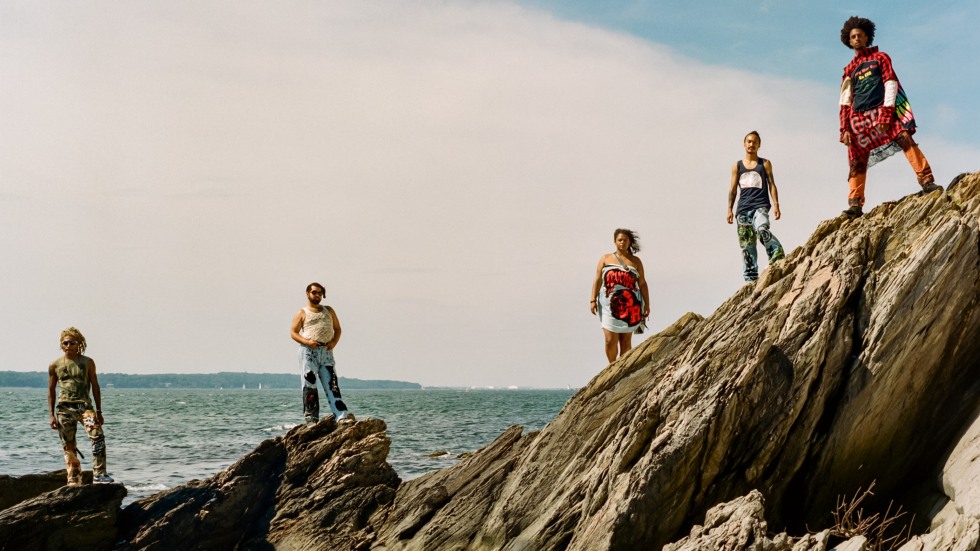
753,187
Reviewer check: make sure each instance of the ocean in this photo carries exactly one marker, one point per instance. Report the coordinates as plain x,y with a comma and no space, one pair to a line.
160,438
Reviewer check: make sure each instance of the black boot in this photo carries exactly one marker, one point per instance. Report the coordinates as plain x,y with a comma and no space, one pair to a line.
931,187
853,212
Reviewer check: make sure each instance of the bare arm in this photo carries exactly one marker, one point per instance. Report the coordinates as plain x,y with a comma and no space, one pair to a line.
732,193
593,305
298,320
772,190
52,384
336,330
93,379
644,291
846,97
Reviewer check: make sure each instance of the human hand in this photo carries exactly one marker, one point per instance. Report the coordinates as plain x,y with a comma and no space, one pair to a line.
593,307
98,415
775,212
845,138
883,127
731,216
55,425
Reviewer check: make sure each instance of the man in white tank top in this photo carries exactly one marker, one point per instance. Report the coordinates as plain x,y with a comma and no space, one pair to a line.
317,330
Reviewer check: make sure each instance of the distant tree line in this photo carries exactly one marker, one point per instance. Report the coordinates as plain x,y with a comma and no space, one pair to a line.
225,379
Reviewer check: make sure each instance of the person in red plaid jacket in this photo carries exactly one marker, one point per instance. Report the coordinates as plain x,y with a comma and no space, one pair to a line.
875,117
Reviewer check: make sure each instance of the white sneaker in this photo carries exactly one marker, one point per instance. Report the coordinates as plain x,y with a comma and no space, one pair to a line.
347,419
102,479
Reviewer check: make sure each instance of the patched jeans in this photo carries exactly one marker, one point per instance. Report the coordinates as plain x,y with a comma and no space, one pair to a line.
752,225
319,362
69,415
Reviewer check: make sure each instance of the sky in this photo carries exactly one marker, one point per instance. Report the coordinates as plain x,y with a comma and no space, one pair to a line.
173,174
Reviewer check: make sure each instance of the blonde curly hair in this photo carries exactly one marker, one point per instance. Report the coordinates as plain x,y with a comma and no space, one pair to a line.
76,335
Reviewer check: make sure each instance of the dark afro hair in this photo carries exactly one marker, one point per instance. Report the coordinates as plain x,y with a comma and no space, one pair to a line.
856,22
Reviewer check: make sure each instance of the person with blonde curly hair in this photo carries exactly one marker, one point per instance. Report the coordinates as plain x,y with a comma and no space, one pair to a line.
73,375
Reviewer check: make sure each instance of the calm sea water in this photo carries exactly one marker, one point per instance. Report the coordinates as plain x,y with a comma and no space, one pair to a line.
161,438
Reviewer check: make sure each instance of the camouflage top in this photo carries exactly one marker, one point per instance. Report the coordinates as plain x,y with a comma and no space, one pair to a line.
73,383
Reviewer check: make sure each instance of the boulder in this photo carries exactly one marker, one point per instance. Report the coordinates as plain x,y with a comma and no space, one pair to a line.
15,489
833,370
853,360
317,487
71,517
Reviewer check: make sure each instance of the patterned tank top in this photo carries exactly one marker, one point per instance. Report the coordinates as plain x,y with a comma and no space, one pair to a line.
73,383
317,326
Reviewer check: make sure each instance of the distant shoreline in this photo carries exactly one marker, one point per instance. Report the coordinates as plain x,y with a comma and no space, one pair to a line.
224,379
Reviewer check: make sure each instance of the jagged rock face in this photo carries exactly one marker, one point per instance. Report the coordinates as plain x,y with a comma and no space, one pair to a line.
15,489
71,517
854,359
317,487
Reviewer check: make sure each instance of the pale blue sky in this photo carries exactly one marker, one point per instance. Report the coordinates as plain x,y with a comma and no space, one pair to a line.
933,45
174,173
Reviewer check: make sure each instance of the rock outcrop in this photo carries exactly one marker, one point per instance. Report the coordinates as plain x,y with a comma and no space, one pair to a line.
317,487
15,489
70,517
854,360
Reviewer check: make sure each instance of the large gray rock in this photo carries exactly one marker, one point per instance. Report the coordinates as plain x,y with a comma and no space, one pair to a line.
70,517
961,474
958,533
317,487
15,489
854,359
738,525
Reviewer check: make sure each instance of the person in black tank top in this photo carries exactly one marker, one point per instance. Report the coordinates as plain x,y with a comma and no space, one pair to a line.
753,186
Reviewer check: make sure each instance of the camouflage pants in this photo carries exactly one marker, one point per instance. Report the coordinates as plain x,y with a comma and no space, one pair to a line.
69,415
752,225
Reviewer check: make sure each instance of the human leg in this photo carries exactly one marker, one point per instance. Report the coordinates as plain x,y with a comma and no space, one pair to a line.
746,240
760,221
611,344
625,343
68,417
331,386
923,172
311,397
94,430
856,179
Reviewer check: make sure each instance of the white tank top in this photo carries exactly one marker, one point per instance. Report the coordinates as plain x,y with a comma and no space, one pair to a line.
317,326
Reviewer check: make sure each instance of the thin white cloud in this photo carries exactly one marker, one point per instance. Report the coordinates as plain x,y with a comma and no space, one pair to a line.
451,173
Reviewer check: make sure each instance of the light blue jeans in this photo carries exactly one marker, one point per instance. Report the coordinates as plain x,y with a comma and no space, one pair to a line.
319,362
752,225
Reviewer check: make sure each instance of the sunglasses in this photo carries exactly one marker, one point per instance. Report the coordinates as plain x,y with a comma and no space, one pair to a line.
69,343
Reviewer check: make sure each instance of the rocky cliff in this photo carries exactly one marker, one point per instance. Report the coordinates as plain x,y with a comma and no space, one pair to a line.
854,360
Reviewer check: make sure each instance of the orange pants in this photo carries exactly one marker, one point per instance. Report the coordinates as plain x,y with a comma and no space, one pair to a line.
859,170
